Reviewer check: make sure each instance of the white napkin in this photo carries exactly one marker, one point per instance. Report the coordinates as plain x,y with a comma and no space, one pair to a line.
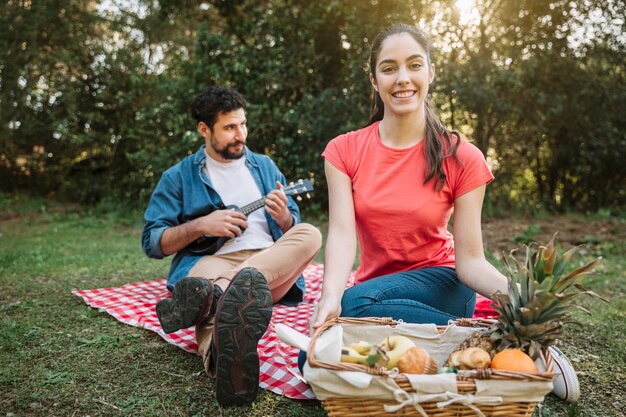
327,349
292,337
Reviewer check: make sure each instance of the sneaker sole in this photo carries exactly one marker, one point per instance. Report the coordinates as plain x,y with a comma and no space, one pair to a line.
242,318
186,305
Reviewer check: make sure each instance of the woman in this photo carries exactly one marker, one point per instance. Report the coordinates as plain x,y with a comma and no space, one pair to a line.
396,183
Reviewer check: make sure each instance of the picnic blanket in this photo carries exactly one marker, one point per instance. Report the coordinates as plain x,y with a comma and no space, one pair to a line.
134,304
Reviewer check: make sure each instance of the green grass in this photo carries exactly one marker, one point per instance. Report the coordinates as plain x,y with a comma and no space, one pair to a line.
61,358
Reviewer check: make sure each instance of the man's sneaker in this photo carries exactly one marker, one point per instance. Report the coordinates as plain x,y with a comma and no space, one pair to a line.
242,316
566,385
190,304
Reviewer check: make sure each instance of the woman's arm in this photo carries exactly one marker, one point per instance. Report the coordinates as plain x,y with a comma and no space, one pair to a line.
471,266
340,245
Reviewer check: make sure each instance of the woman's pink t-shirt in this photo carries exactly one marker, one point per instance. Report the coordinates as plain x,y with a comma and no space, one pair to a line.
401,222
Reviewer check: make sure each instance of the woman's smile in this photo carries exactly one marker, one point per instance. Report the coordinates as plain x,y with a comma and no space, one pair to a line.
404,94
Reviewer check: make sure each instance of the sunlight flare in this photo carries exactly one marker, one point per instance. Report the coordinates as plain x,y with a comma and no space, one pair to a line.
465,6
468,12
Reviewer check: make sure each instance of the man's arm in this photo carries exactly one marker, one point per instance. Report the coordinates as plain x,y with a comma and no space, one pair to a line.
163,211
226,223
163,234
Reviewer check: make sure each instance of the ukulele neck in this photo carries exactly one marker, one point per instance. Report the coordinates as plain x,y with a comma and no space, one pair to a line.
249,208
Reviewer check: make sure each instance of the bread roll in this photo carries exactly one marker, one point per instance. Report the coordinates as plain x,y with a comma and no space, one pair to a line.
416,361
470,358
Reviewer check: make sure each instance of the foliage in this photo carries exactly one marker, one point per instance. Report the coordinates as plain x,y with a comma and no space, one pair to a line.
94,100
528,235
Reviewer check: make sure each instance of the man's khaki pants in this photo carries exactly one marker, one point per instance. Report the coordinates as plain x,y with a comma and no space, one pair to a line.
281,264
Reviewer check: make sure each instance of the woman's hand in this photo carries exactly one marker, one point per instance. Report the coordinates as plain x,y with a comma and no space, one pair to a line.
327,308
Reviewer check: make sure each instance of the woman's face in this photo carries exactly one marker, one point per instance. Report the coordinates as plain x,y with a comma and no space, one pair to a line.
402,75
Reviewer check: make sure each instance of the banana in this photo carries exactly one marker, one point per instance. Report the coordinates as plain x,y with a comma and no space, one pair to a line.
361,346
373,357
394,347
350,355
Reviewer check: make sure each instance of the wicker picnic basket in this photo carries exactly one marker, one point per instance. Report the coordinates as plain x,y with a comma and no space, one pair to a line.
368,407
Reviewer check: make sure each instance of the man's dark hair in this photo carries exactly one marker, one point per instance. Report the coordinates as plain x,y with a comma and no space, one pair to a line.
213,101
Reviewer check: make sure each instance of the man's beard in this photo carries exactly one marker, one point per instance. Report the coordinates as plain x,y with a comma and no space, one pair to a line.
226,152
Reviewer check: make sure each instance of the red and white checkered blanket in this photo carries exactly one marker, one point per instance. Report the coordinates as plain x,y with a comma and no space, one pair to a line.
134,304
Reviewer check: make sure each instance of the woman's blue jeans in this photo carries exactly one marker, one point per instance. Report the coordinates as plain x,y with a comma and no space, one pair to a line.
428,295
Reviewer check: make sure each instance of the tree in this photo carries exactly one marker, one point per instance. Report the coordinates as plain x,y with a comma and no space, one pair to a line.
95,100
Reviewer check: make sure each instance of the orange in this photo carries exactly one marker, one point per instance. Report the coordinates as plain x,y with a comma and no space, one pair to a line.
513,360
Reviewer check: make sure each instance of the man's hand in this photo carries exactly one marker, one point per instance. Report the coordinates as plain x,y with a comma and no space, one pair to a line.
228,223
276,206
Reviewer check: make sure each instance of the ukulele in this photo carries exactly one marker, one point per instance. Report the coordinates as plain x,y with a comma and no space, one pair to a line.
208,245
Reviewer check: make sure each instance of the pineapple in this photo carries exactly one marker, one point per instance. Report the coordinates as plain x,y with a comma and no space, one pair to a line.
538,303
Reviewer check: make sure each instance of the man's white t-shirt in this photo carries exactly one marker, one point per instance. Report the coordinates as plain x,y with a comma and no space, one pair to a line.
234,183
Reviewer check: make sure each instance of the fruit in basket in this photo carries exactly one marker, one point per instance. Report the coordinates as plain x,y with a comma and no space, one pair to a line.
538,302
479,339
361,346
470,358
350,355
394,347
416,361
513,360
371,357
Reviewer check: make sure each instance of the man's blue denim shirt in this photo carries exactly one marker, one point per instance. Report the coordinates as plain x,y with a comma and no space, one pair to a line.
184,193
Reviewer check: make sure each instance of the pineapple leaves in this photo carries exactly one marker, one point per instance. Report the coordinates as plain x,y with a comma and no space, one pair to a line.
514,295
562,262
576,275
539,298
548,254
583,309
590,293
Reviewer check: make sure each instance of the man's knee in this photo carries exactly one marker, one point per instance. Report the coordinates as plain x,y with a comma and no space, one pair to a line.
310,235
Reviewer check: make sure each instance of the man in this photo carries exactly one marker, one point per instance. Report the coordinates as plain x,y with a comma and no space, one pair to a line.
227,295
